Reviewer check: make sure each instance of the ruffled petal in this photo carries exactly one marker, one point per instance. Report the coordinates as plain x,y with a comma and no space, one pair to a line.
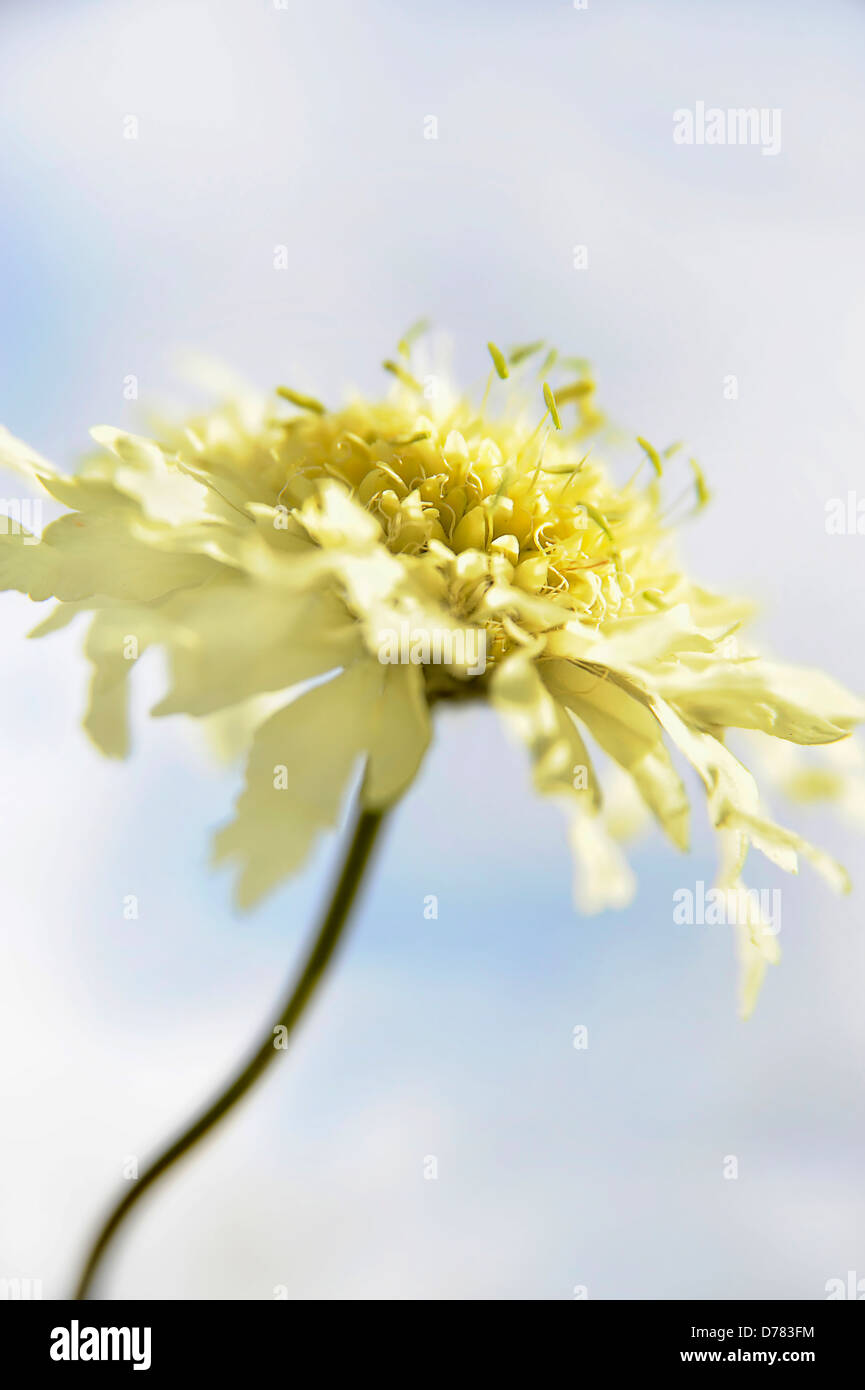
399,736
560,760
792,703
303,759
234,639
299,768
626,730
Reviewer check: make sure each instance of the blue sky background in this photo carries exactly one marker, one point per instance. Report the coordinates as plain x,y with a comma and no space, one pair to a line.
304,127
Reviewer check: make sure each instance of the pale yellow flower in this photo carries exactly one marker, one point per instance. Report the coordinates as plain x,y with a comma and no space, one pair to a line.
370,555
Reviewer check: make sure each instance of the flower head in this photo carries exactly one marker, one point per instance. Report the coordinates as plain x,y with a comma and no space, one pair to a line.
371,561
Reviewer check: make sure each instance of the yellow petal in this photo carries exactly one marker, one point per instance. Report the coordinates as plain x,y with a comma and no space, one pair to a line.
559,756
399,736
20,458
234,639
302,761
793,703
603,878
83,555
630,734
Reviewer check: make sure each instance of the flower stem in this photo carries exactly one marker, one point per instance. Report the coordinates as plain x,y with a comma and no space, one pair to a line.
357,857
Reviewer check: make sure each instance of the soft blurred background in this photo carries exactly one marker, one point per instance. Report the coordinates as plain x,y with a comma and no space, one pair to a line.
297,125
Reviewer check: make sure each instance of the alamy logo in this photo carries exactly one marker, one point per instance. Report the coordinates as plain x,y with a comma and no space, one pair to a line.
853,1288
845,516
20,1290
736,126
719,907
464,647
21,516
76,1343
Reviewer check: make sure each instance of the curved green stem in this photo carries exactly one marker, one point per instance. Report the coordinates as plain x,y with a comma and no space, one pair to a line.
357,857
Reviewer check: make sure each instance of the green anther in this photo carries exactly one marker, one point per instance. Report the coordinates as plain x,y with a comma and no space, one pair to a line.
651,454
303,402
703,493
519,354
410,439
410,337
551,405
597,519
499,362
575,392
570,468
402,375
